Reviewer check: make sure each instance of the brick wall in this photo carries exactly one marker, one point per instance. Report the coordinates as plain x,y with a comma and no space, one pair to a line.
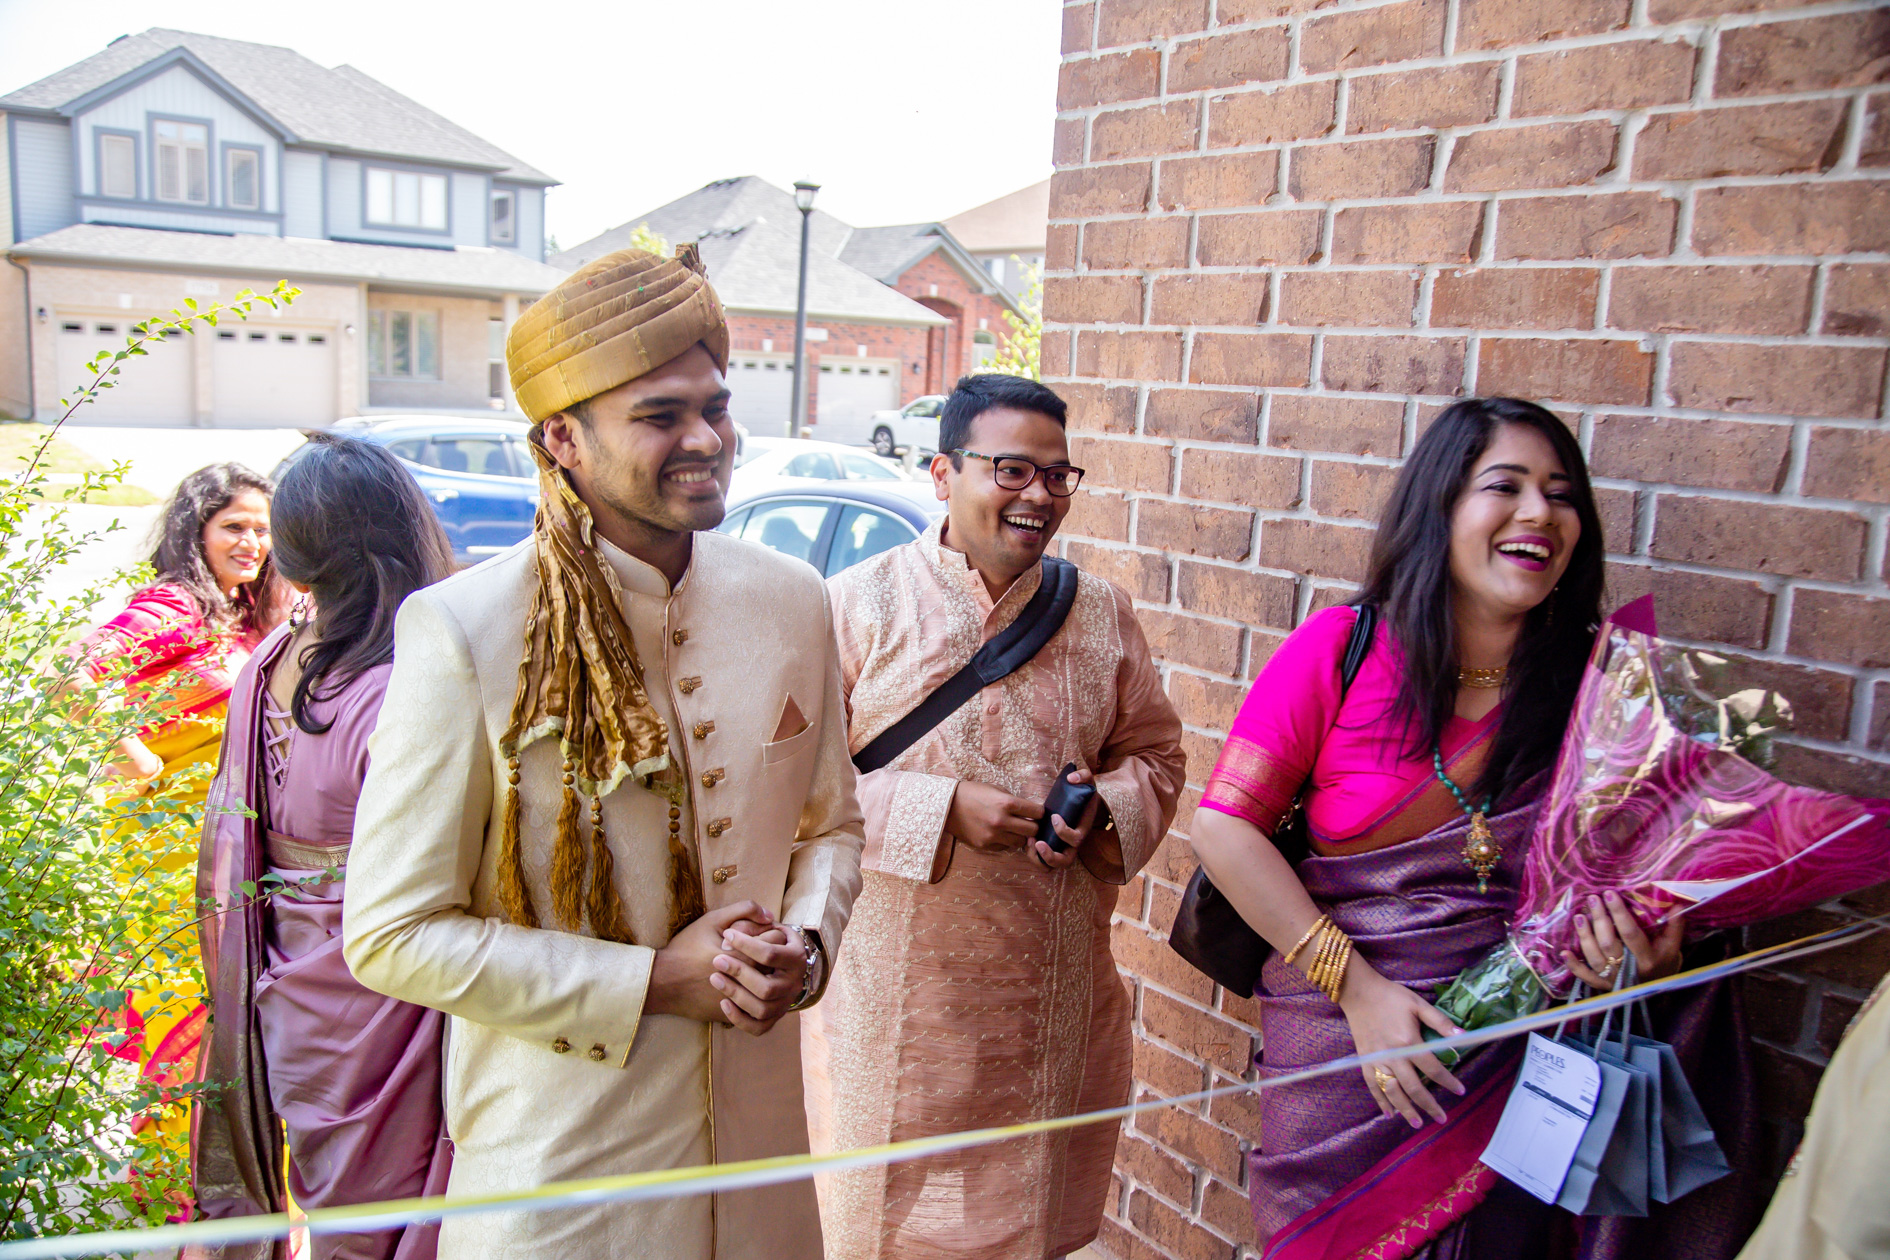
1285,233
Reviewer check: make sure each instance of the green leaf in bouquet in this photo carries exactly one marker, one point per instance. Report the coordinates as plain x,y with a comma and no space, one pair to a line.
1501,987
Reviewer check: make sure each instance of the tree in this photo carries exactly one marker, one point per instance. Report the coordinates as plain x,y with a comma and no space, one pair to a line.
96,888
642,238
1018,349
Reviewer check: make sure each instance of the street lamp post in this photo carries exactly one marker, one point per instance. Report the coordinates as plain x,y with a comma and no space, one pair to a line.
797,417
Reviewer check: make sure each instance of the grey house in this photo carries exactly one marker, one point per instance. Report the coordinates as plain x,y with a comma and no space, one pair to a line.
174,165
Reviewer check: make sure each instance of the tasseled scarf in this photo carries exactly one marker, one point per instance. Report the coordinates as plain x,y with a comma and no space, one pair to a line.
581,680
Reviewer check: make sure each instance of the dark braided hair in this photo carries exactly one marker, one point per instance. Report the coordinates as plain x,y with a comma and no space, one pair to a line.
178,552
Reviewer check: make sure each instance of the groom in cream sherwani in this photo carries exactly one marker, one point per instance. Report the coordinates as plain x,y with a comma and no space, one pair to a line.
609,825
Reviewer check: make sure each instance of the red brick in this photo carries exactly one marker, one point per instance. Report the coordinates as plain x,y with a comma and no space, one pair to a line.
1844,50
1345,426
1760,538
1152,1168
1227,1209
1133,356
1296,112
1755,300
1093,299
1143,574
1189,529
1503,23
1313,547
1196,1033
1348,298
1610,76
1674,10
1205,415
1135,244
1820,698
1547,155
1441,96
1174,1233
1139,21
1255,599
1714,454
1127,76
1351,491
1372,37
1056,352
1099,408
1696,605
1880,716
1118,465
1060,247
1192,1138
1097,514
1616,510
1852,776
1611,225
1857,300
1207,702
1516,297
1251,359
1835,1013
1210,183
1120,189
1425,232
1067,142
1079,27
1361,168
1568,371
1145,131
1152,962
1228,60
1161,1070
1210,300
1777,380
1850,216
1849,464
1231,12
1775,1007
1841,627
1393,365
1740,140
1874,148
1265,236
1250,478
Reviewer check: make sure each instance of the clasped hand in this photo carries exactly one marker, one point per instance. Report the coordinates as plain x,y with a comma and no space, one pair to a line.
734,966
991,820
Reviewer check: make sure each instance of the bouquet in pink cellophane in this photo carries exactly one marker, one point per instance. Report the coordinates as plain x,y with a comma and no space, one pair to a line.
1658,795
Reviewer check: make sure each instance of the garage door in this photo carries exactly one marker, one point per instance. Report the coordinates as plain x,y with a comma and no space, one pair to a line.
761,392
273,378
153,389
850,391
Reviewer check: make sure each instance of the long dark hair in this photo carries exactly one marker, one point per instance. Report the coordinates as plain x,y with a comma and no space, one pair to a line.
1410,583
178,554
351,525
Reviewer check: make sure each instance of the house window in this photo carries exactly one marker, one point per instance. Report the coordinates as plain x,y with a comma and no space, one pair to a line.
404,344
504,217
117,166
182,161
406,199
242,178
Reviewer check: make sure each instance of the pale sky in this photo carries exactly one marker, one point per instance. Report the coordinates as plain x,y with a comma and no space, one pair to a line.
902,110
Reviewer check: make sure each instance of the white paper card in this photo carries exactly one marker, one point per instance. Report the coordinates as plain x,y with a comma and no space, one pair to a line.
1547,1114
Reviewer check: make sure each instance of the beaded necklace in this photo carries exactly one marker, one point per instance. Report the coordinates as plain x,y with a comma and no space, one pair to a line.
1480,851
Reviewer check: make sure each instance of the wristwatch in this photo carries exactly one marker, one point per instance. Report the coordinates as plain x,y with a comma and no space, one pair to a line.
814,971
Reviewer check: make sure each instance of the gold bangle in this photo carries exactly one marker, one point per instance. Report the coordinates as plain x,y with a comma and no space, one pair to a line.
1337,977
1328,947
1318,923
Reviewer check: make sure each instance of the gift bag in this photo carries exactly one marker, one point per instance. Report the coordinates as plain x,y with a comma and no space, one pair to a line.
1691,1155
1585,1170
1621,1182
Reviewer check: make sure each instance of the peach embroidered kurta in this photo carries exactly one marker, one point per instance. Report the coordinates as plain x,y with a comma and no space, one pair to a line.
976,988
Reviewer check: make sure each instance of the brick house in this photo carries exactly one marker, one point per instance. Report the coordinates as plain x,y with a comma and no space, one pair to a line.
174,166
1008,234
894,313
1285,233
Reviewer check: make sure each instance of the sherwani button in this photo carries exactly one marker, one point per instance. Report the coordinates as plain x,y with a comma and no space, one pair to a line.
712,777
719,825
679,637
702,729
597,1053
687,685
722,874
561,1046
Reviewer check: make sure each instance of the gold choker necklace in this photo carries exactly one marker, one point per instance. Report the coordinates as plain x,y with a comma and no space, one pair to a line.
1482,678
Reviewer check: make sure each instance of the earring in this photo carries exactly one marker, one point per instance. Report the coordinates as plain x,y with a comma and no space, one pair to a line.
298,613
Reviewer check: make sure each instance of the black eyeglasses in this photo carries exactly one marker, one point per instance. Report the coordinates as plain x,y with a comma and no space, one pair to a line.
1013,472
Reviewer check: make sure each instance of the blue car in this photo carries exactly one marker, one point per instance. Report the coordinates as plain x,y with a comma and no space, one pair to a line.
834,525
476,473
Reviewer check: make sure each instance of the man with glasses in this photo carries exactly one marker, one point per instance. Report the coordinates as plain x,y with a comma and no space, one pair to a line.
977,986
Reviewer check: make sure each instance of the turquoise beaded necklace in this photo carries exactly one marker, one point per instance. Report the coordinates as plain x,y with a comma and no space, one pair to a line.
1480,851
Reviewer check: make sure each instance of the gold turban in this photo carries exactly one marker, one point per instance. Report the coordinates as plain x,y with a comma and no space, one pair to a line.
611,321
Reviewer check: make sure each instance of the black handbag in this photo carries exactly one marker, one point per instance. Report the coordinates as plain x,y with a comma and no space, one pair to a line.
1208,932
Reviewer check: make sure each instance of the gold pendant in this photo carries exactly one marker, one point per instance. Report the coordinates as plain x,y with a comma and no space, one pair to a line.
1480,851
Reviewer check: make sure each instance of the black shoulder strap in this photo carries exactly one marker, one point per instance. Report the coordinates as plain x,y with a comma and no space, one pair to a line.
1359,646
1006,652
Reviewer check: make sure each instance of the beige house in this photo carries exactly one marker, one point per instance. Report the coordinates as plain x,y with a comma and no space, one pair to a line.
1006,235
175,166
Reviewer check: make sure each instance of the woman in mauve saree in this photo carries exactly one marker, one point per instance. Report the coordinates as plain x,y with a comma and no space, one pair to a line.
298,1051
1420,785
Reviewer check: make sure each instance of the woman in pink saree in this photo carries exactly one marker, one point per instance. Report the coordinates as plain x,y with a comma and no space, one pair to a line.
297,1049
1420,785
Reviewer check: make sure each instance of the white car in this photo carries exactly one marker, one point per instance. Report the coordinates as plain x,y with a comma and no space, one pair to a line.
766,462
912,427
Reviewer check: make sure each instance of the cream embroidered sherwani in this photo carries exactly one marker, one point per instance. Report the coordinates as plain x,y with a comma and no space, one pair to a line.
553,1071
978,989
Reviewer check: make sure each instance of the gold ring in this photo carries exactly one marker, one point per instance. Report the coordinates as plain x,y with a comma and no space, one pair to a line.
1385,1079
